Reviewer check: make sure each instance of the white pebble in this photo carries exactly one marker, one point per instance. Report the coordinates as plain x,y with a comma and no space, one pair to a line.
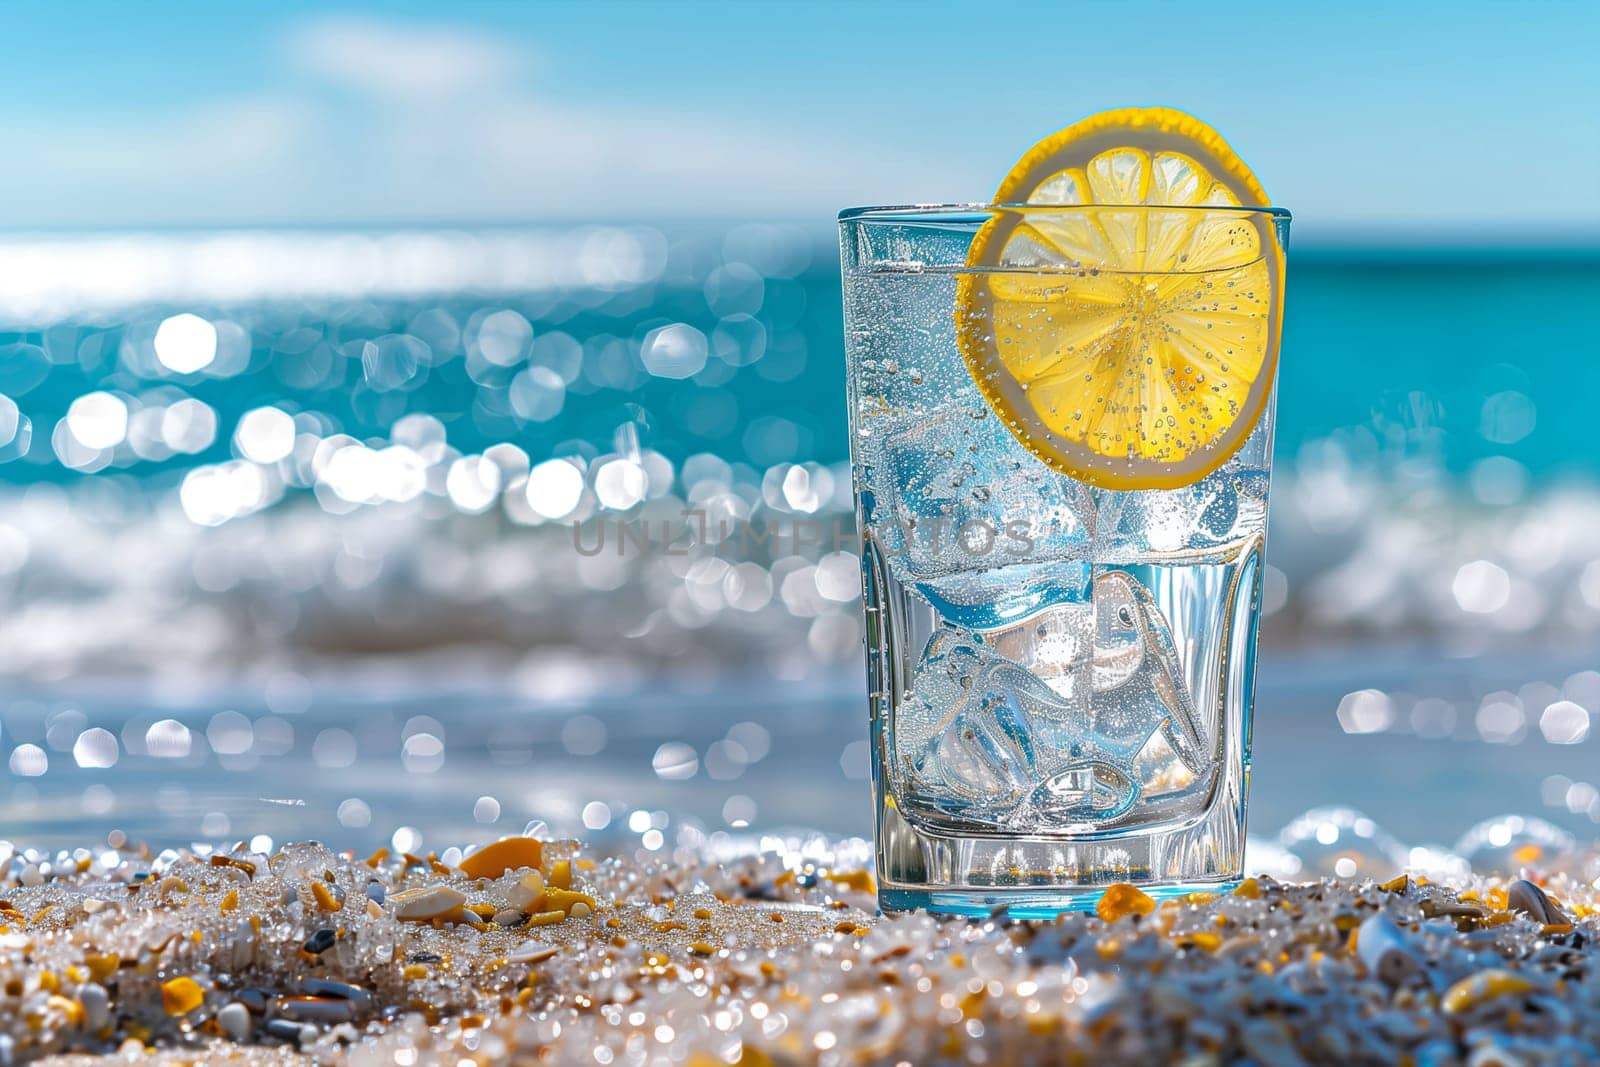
32,876
526,891
234,1019
1385,950
242,946
96,1005
426,903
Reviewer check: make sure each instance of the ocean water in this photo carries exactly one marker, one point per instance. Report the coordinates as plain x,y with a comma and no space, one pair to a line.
326,534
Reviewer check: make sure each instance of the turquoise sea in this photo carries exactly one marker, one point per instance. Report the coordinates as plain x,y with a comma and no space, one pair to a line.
1451,355
286,536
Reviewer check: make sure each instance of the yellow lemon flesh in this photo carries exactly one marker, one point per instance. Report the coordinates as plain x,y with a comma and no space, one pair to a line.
1126,329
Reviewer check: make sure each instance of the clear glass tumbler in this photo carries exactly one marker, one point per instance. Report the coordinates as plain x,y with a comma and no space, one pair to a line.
1060,673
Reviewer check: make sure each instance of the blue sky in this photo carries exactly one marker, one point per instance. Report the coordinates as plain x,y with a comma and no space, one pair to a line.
1360,117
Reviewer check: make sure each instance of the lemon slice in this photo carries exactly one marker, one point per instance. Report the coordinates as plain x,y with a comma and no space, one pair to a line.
1130,339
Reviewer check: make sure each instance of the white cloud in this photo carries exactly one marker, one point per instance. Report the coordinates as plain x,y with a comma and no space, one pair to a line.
407,61
443,127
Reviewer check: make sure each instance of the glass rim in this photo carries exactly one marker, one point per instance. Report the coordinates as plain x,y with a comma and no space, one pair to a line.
979,212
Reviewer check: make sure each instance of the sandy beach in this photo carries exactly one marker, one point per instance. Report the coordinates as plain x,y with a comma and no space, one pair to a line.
312,956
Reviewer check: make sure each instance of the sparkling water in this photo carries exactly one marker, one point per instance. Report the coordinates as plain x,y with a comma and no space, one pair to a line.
1060,674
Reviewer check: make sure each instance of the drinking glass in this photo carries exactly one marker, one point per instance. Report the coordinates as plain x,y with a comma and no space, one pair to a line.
1060,674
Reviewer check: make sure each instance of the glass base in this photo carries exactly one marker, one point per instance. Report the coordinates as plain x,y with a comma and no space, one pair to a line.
1026,903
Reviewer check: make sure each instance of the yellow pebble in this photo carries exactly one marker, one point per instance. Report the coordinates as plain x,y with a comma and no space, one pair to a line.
102,967
228,861
546,918
325,898
68,1007
1250,889
1398,884
702,913
414,971
49,982
180,996
1482,988
507,854
1123,899
561,874
564,899
229,902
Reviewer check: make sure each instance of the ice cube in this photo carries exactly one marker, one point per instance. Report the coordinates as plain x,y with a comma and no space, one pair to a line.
953,495
1064,719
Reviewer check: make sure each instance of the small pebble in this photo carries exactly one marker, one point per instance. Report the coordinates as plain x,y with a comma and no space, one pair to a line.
1384,950
321,941
317,1009
1481,988
1525,898
527,891
1121,900
234,1018
256,1000
430,902
507,854
288,1030
322,987
96,1005
180,996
